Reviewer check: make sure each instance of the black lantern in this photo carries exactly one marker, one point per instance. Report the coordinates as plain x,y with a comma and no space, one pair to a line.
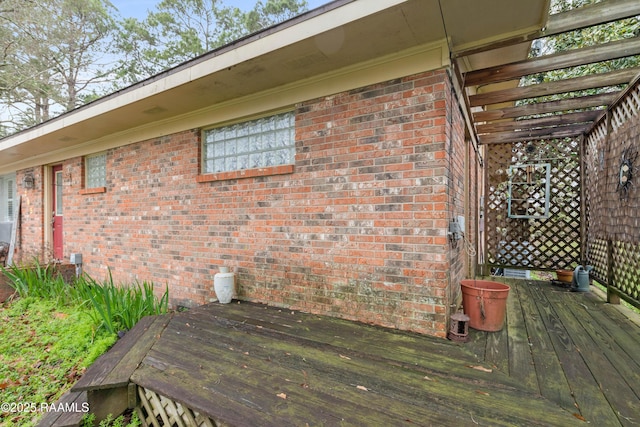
459,328
28,181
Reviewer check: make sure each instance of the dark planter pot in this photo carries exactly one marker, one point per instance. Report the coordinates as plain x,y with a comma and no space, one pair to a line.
66,271
5,289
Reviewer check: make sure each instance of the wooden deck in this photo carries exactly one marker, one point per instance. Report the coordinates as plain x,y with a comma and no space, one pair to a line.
563,359
573,349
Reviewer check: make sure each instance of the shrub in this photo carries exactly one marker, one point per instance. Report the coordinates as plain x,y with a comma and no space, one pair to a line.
121,307
114,308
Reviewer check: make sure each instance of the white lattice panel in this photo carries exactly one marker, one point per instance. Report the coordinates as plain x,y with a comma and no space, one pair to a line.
595,142
626,109
159,411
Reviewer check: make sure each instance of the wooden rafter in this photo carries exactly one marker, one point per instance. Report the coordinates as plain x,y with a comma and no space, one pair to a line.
588,55
492,92
587,16
536,134
590,15
548,121
592,81
570,104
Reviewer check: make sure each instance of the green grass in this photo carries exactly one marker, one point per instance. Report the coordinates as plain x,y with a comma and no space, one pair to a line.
121,421
44,349
53,331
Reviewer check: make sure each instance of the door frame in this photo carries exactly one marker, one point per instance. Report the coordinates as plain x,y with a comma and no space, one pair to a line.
48,207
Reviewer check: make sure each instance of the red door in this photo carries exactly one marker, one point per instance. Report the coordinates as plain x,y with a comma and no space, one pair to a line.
57,212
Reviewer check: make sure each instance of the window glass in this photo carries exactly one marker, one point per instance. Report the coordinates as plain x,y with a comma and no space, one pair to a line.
10,191
59,187
7,197
96,170
268,141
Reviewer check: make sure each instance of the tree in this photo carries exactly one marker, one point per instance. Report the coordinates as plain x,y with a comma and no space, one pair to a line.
51,53
585,37
54,53
180,30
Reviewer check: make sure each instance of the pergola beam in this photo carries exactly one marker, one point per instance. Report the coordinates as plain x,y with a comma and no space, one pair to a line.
586,16
592,81
590,101
590,15
572,58
533,135
587,117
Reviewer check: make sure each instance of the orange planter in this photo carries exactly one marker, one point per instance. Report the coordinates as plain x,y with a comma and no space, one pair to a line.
485,302
565,276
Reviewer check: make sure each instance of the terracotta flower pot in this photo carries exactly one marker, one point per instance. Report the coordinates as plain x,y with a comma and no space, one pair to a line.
565,276
485,302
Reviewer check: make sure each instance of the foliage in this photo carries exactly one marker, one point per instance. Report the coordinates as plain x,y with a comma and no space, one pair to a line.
89,420
180,30
121,307
51,57
113,308
44,349
582,38
54,330
56,55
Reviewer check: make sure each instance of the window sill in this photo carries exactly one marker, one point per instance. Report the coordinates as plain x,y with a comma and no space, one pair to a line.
95,190
246,173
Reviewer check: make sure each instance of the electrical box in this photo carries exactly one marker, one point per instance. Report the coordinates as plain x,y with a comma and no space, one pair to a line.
456,228
461,223
455,231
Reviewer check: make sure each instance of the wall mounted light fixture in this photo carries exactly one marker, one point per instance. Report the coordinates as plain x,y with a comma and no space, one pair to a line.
28,181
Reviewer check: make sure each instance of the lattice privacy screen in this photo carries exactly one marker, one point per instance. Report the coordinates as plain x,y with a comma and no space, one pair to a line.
158,411
535,243
613,210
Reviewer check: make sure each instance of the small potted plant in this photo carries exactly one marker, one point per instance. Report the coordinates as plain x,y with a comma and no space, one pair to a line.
565,276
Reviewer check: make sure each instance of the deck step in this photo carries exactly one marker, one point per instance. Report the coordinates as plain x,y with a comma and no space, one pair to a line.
68,411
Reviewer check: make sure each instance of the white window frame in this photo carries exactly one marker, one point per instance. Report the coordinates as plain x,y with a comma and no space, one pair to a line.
257,143
95,164
7,197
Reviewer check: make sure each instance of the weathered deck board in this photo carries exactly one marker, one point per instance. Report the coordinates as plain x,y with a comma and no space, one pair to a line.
590,402
549,371
597,352
521,365
562,358
582,350
114,368
73,418
256,382
246,361
434,356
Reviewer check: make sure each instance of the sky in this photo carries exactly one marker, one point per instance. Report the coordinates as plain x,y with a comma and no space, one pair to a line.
138,8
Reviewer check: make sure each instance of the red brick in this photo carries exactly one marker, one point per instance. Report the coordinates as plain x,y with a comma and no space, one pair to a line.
365,207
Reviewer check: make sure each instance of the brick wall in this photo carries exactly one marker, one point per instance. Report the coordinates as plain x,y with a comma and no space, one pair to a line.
30,243
464,190
358,230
